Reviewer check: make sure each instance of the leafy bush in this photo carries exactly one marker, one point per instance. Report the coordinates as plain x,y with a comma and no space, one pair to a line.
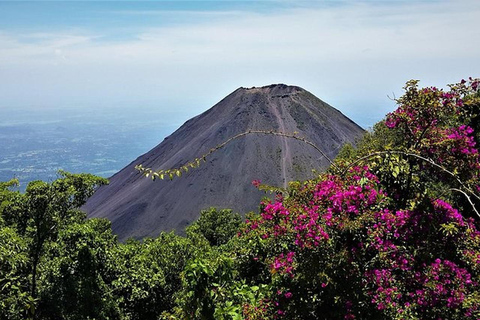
148,274
217,226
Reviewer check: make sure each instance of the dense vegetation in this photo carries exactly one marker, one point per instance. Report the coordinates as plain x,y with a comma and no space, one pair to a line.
390,231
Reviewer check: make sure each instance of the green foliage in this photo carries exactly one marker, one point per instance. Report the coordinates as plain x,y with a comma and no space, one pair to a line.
148,274
76,268
212,289
37,217
217,226
4,186
15,301
56,264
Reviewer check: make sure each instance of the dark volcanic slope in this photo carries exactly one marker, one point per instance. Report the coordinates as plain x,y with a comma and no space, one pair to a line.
139,207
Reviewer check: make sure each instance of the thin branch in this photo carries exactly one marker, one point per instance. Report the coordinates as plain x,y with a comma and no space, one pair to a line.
281,134
421,135
394,98
195,163
468,198
430,161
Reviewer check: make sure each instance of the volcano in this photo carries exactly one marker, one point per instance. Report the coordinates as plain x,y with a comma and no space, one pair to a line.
139,207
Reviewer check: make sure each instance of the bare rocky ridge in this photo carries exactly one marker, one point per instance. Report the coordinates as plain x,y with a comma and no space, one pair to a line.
139,207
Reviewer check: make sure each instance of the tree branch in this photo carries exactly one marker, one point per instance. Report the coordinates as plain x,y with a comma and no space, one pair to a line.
163,173
468,198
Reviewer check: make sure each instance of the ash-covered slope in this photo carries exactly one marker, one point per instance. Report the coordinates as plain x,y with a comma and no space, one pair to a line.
139,207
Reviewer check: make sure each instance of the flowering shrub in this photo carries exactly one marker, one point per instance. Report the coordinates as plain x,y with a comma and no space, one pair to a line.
345,242
441,125
390,238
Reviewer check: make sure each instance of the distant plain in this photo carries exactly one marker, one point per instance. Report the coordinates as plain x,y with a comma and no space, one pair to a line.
35,144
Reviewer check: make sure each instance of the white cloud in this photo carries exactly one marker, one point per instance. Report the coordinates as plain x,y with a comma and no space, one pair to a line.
351,55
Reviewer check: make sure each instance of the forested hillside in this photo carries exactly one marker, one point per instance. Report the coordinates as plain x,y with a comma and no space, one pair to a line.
389,231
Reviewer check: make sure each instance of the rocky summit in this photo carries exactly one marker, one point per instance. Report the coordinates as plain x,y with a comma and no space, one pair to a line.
139,207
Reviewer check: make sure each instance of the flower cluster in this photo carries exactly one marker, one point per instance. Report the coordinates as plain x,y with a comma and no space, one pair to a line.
463,140
427,119
442,284
400,254
446,213
446,283
284,263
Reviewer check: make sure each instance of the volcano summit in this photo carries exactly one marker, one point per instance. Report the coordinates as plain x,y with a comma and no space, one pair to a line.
139,207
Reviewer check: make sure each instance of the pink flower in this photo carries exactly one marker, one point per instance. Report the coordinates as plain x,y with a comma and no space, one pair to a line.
256,183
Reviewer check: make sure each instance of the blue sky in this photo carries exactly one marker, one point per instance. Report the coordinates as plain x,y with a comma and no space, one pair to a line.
182,57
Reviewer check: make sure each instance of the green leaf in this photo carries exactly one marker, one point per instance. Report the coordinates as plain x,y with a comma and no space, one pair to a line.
395,171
